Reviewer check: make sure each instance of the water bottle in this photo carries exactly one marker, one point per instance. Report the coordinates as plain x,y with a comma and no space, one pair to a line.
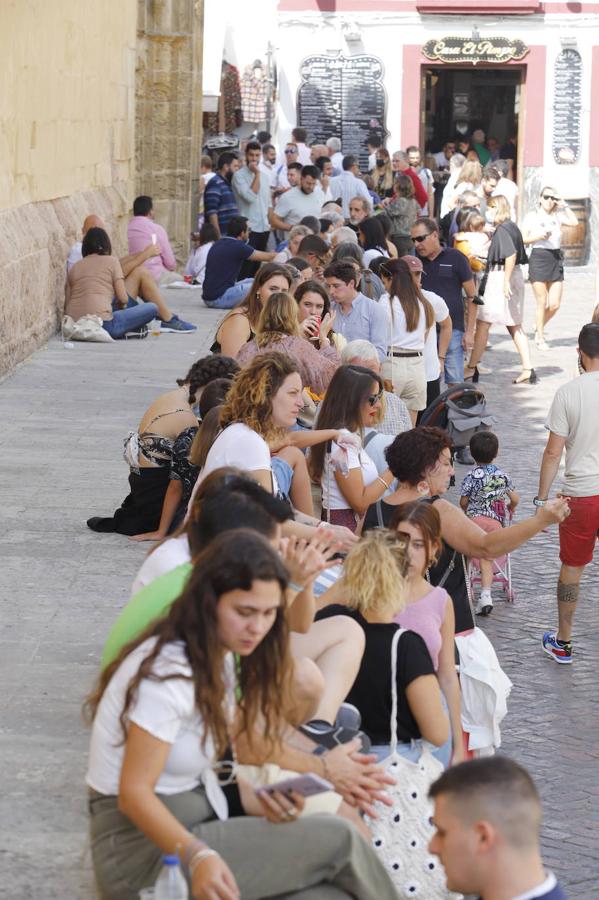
170,884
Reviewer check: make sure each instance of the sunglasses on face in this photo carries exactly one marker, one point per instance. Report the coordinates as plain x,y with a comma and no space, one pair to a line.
550,197
420,238
291,150
373,399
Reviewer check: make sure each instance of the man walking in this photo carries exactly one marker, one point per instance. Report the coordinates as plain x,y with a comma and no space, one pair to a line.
573,424
487,819
253,195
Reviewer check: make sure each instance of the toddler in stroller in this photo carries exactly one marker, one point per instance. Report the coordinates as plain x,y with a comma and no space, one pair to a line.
489,499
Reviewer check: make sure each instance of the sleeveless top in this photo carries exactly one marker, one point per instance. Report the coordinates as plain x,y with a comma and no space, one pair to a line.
426,617
216,348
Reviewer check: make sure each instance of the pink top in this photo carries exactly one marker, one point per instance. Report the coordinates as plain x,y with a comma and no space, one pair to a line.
316,367
139,235
425,617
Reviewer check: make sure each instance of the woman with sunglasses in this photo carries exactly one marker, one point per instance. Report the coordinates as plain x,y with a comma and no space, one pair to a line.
347,475
541,230
410,317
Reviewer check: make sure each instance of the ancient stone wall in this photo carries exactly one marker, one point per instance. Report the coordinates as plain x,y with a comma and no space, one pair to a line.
67,100
168,113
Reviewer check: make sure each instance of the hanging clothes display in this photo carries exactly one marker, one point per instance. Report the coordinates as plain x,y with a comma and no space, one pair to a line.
254,93
229,115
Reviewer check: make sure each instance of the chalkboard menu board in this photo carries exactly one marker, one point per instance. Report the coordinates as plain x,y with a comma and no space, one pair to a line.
343,96
567,107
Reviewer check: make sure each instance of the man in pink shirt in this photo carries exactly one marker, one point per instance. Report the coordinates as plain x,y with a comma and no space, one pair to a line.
143,230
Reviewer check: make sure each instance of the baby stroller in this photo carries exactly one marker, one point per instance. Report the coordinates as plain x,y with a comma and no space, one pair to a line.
502,566
462,411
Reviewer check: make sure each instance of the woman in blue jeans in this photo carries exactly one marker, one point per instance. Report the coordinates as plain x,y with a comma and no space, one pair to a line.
95,280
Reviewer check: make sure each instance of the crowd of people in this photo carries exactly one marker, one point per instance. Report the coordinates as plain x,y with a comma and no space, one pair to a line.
279,704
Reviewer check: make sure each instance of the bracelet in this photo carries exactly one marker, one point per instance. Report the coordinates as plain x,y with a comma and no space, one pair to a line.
199,857
293,586
382,481
192,848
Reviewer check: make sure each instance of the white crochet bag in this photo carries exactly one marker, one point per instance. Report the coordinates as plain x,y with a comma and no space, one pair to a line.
402,832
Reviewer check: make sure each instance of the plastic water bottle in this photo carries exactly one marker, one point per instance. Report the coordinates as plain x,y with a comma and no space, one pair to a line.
170,884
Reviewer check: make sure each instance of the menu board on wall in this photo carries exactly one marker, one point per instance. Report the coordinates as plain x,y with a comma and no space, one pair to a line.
567,107
343,96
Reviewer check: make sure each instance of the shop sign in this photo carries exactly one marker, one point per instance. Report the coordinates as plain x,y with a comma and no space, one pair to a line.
487,50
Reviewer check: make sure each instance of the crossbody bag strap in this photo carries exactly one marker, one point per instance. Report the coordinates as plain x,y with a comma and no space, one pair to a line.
394,646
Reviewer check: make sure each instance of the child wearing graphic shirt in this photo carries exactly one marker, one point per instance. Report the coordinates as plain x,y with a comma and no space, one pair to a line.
486,495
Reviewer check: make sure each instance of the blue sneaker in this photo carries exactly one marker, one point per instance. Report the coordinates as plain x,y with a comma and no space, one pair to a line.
178,326
561,653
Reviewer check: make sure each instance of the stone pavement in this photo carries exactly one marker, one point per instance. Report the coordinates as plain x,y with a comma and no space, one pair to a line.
65,413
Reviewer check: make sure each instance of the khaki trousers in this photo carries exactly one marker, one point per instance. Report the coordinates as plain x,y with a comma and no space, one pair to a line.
321,857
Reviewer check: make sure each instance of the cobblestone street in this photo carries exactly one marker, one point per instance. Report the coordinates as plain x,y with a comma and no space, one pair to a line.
65,413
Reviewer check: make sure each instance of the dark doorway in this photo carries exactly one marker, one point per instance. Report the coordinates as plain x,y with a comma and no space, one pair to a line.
456,101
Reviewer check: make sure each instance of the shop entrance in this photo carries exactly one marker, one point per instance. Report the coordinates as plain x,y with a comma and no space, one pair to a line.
458,100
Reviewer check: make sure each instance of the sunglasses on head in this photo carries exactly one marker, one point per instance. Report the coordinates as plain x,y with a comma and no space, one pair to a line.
550,197
373,399
420,238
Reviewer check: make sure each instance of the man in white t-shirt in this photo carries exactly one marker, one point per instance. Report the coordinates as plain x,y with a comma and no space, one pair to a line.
572,424
334,151
305,200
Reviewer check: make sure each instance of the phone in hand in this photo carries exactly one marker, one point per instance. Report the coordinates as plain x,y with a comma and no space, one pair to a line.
307,785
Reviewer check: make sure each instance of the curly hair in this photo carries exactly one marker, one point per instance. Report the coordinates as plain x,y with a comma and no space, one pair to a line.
232,561
413,452
250,399
278,318
374,574
206,370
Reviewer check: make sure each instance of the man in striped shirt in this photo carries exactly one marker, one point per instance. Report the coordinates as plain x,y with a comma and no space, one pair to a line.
219,201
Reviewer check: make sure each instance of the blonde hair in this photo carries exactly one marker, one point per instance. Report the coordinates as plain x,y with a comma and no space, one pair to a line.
502,207
278,318
250,399
374,574
471,173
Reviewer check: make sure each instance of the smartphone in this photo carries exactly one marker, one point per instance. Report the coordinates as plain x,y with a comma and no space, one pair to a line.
307,785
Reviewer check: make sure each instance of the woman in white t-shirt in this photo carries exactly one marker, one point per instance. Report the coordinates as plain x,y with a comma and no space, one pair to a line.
196,264
541,230
164,713
410,317
348,477
263,403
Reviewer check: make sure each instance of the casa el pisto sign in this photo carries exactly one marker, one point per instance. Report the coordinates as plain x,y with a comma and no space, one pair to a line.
488,50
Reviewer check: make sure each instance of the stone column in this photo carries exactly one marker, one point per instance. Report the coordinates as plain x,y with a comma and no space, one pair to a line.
168,134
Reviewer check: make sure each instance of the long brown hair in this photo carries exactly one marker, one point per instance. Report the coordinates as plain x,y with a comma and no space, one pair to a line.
426,519
251,303
232,561
250,399
383,178
409,294
278,318
349,389
205,437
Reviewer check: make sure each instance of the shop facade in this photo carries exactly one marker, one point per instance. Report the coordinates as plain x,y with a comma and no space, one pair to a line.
422,72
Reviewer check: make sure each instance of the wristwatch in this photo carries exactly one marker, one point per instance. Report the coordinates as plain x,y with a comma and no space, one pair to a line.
538,502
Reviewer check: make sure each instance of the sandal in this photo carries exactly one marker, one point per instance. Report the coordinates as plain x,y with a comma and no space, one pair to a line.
474,374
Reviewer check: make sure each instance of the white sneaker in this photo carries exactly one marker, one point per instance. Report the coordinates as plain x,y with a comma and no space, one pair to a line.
483,606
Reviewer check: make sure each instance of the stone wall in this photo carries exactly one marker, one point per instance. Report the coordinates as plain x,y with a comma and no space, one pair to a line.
168,113
67,98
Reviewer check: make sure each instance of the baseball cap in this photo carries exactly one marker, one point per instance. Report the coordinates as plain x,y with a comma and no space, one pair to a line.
413,263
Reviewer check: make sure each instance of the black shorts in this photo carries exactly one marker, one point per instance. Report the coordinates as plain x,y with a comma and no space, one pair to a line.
546,265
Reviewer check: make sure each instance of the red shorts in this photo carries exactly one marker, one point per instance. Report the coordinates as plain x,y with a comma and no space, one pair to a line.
578,533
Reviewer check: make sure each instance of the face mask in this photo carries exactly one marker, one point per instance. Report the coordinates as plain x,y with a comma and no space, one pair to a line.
490,216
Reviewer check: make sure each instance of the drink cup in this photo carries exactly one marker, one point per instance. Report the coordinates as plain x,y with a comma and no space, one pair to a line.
155,327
